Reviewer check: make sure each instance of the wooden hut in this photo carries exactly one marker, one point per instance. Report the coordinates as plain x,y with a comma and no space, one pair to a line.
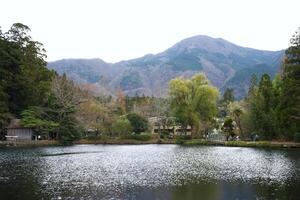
16,132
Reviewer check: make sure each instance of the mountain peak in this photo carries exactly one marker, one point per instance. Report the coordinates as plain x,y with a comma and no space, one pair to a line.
224,63
207,43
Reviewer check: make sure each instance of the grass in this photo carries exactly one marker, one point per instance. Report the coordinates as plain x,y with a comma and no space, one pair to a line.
155,140
262,144
30,143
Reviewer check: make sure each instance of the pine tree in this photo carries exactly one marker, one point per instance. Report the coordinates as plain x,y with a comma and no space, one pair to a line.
228,96
266,90
252,84
290,97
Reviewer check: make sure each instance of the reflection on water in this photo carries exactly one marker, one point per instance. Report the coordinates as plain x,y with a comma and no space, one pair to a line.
149,172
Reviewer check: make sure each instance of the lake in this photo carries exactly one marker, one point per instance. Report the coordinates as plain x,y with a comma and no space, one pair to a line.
149,172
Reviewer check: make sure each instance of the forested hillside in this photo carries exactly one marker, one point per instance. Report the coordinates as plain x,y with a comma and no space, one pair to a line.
225,64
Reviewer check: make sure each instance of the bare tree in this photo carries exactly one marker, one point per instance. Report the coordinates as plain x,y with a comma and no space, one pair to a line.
66,96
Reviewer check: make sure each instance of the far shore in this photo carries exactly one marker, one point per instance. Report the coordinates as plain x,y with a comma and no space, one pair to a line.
193,142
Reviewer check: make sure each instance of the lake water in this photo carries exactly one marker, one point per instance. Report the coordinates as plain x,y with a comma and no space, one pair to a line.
149,172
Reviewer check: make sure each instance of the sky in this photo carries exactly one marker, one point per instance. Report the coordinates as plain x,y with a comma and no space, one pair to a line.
116,30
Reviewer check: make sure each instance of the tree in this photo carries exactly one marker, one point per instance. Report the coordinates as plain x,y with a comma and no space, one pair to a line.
24,74
4,112
266,89
122,126
252,85
90,114
37,119
121,102
138,123
228,96
262,108
290,96
236,112
228,128
64,101
24,77
162,113
193,101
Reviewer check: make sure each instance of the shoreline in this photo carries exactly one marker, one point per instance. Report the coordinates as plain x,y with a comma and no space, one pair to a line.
194,142
257,144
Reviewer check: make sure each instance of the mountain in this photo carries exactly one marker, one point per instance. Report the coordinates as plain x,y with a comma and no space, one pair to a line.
225,64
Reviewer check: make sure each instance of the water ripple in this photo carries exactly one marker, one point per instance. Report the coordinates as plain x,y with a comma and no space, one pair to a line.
110,171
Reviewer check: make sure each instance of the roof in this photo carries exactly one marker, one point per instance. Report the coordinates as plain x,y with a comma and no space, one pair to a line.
15,123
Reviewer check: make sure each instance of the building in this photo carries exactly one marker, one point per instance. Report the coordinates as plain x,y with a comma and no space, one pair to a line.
171,129
15,131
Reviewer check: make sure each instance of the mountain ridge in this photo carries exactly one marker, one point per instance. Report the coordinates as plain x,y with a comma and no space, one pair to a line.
218,58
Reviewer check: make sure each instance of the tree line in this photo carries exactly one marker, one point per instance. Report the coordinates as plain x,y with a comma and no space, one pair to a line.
271,110
52,105
57,108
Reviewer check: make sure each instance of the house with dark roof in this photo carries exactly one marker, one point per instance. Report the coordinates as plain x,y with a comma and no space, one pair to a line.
15,131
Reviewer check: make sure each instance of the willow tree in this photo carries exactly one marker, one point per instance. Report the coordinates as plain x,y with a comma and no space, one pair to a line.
236,111
193,101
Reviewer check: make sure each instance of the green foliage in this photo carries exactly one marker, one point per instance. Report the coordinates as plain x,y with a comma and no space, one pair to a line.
69,131
4,112
236,112
265,109
228,96
253,85
228,127
36,118
64,101
265,88
122,126
262,108
290,95
243,77
25,80
273,107
192,100
138,123
182,139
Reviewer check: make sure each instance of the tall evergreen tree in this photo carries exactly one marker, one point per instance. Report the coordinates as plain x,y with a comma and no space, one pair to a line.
266,90
228,96
253,84
24,78
261,107
290,96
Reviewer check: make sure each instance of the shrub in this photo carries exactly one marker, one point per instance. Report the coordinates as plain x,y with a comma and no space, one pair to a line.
138,123
122,126
180,139
164,134
69,133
